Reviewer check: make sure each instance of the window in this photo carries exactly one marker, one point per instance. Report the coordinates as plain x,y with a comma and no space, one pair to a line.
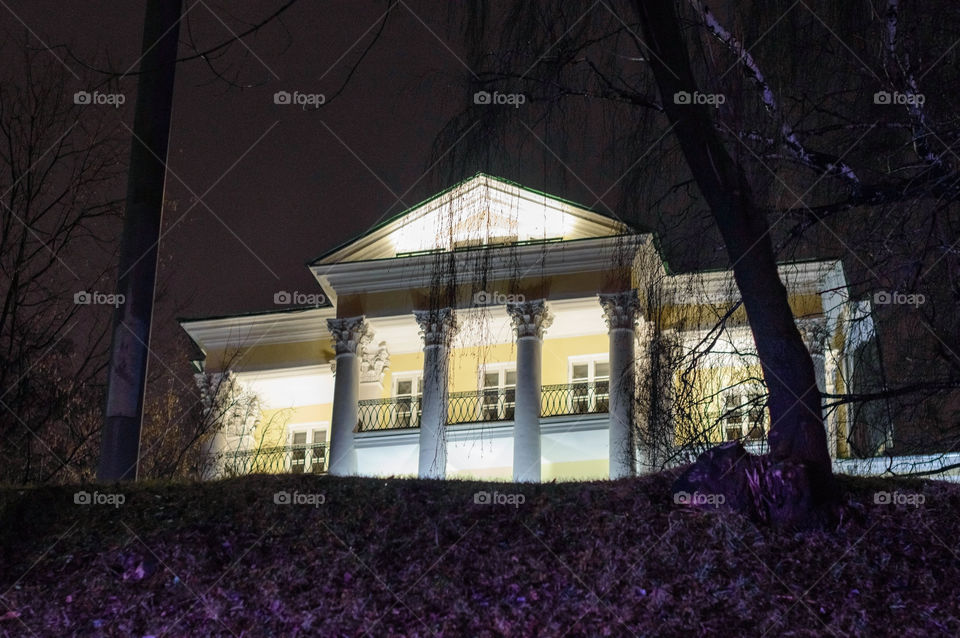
406,391
498,393
590,384
744,415
308,450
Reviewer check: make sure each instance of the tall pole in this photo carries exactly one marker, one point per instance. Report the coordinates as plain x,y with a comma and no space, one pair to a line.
120,442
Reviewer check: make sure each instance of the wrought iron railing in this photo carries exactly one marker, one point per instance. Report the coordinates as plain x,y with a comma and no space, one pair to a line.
495,404
296,459
575,398
395,413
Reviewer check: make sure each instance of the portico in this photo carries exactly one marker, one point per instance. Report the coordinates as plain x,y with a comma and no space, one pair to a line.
497,332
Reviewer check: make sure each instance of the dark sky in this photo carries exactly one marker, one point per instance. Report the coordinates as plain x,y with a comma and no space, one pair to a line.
285,184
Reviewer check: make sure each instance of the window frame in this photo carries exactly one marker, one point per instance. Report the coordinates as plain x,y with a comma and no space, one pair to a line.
411,416
309,459
746,422
505,410
594,400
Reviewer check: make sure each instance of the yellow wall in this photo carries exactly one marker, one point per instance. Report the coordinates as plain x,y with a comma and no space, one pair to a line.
276,423
401,363
843,420
698,316
464,376
576,470
273,428
274,355
709,384
465,363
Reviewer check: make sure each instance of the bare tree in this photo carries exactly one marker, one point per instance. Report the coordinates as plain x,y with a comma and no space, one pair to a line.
120,442
731,127
798,435
58,179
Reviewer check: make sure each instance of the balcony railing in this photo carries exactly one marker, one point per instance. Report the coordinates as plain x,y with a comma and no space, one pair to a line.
495,404
575,398
388,414
296,459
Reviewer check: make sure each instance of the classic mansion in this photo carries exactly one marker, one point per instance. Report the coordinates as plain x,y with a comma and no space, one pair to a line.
497,332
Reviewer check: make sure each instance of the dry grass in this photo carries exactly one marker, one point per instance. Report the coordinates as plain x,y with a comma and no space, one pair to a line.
421,558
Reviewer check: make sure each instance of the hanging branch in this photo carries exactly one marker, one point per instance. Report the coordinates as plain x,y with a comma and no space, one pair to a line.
914,99
822,162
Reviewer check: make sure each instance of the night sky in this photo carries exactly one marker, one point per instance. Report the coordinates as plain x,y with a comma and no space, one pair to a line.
287,183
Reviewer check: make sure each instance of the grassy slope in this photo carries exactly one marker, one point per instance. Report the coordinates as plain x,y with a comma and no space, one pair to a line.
420,558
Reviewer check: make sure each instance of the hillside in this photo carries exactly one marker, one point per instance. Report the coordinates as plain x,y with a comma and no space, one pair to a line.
360,556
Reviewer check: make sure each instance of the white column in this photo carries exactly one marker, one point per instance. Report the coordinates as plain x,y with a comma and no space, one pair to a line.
620,311
347,334
530,319
655,430
814,332
832,421
437,328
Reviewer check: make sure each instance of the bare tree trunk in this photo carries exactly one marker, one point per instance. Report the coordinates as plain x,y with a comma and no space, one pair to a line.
797,434
120,445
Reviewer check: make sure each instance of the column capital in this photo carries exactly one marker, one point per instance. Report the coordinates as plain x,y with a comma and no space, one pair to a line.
348,333
437,325
373,362
814,333
530,318
620,309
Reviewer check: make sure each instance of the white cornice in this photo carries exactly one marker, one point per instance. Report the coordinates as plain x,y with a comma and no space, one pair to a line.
284,374
490,264
715,287
245,331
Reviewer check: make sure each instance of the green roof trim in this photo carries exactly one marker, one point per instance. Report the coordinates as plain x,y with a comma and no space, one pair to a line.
252,313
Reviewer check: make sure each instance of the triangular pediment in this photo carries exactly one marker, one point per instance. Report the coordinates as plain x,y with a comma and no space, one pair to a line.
481,211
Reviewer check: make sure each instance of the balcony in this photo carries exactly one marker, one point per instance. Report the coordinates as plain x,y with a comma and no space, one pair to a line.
294,459
491,405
